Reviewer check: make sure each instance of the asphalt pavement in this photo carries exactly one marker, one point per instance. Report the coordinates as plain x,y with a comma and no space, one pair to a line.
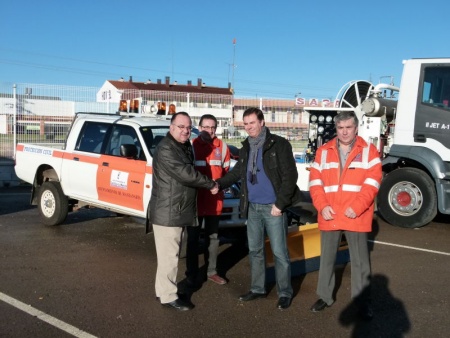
94,277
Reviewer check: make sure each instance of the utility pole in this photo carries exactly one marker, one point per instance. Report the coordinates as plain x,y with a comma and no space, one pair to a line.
232,82
233,64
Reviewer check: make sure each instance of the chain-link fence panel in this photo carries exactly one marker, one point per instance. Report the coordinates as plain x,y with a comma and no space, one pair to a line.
39,113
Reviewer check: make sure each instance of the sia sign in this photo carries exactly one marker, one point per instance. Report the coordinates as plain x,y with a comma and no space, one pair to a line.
300,101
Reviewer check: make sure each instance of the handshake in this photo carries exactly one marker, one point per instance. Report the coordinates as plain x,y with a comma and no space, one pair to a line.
215,189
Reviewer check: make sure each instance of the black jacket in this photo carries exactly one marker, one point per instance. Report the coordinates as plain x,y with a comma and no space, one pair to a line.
175,182
279,166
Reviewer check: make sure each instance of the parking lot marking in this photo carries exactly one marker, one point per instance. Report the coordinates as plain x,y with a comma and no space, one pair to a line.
412,248
45,317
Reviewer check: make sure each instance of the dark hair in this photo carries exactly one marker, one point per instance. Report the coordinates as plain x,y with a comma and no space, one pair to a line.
174,116
346,115
207,117
254,110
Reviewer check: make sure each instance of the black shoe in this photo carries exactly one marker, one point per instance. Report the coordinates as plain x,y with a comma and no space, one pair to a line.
179,305
318,306
251,296
365,312
283,303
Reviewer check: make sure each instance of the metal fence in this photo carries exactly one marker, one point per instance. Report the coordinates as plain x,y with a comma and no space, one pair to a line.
37,113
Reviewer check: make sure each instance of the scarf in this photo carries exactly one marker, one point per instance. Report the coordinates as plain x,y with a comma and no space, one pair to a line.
256,143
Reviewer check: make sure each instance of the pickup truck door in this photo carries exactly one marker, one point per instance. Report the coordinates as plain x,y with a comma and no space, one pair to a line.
79,167
120,180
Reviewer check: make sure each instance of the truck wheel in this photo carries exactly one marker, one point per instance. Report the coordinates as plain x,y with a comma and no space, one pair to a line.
407,198
53,205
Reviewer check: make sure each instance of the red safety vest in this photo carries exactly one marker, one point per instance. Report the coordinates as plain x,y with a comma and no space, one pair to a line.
211,159
356,186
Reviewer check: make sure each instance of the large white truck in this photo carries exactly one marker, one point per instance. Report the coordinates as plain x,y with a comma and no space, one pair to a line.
410,125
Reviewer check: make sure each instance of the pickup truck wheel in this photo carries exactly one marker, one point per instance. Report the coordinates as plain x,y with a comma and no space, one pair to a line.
407,198
53,205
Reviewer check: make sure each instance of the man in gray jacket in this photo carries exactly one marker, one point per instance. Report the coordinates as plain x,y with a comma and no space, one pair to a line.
173,204
268,175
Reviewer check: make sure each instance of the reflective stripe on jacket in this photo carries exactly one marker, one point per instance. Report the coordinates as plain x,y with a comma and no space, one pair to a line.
356,186
212,160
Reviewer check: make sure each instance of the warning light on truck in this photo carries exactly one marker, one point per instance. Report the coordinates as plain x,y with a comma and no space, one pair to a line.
123,107
161,108
134,106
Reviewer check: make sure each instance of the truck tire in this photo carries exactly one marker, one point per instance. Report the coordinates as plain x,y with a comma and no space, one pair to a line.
407,198
53,205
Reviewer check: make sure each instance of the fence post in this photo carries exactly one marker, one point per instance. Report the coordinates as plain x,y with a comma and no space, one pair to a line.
42,126
188,103
14,121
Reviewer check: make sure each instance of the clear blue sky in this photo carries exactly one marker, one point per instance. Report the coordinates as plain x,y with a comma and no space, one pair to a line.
282,47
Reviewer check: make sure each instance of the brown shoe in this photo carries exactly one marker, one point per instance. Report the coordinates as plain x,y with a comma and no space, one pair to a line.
217,279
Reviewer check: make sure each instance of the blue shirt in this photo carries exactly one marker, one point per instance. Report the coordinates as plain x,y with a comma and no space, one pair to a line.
262,192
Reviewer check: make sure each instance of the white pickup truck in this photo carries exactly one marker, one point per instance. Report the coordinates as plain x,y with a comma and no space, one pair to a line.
106,162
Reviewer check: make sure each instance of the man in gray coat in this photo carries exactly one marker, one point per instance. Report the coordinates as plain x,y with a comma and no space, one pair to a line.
173,204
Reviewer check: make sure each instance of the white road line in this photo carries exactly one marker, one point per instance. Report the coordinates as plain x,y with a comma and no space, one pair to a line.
412,248
45,317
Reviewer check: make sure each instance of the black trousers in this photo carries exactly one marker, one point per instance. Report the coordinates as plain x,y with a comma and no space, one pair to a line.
210,250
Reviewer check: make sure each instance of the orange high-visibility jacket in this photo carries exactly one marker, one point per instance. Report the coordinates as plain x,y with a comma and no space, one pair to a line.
356,187
212,160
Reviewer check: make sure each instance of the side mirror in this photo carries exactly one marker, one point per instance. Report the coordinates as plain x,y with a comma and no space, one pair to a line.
128,151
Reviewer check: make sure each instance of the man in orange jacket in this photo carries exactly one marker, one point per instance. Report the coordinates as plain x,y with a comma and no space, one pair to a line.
344,181
212,158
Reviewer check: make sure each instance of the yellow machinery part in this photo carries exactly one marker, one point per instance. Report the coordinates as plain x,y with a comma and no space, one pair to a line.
303,243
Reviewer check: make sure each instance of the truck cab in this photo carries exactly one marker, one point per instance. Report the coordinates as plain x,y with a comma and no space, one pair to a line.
410,127
417,161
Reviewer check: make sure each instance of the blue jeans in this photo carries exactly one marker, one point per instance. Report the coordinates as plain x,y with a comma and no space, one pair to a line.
260,222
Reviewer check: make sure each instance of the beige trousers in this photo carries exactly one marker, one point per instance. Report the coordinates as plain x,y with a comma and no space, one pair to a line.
167,242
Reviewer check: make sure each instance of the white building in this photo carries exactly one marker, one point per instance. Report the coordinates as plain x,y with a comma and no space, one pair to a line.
168,97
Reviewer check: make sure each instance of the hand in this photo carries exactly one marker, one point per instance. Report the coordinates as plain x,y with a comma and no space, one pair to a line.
327,213
350,213
215,189
275,211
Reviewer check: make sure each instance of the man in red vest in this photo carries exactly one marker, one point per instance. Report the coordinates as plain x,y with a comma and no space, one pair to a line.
344,181
212,158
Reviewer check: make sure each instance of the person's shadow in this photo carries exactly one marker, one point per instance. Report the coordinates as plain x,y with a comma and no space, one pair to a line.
236,251
390,317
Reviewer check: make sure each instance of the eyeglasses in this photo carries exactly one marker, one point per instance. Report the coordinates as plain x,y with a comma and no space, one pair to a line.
187,128
208,128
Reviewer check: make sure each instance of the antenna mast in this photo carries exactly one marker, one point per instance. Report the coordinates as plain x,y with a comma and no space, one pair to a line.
233,65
